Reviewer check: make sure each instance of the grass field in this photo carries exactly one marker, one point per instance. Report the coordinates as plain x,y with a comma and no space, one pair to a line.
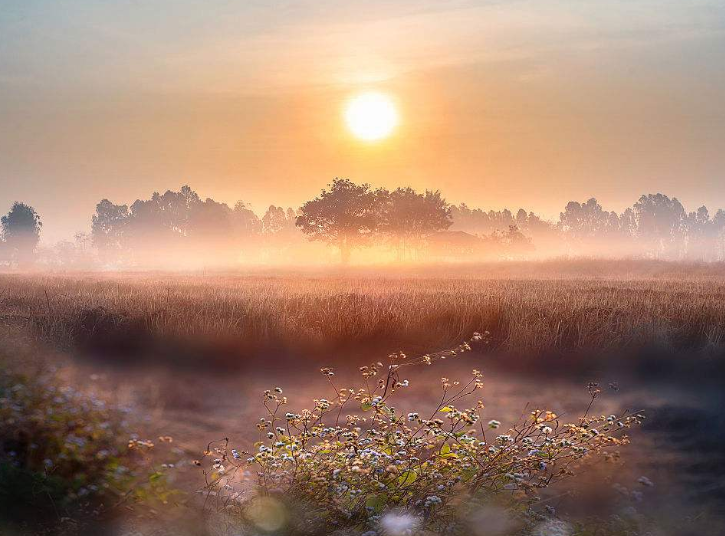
201,348
228,321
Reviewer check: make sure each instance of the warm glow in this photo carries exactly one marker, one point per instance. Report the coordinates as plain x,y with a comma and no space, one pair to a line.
371,116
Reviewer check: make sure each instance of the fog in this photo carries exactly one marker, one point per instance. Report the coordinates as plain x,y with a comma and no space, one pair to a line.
356,224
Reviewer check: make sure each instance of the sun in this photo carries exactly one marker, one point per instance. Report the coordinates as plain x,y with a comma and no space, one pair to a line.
371,116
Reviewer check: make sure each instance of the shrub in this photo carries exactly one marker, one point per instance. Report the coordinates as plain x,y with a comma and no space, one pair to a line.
64,455
375,462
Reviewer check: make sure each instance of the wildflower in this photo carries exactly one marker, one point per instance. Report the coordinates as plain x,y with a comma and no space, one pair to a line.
645,481
432,500
493,424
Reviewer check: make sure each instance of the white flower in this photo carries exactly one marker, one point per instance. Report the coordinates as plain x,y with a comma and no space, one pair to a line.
493,424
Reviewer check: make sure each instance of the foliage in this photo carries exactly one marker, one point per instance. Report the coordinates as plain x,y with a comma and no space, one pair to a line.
343,216
407,218
21,232
64,454
174,223
356,457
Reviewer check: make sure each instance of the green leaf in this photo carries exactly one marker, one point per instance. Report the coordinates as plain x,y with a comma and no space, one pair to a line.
446,452
376,502
408,477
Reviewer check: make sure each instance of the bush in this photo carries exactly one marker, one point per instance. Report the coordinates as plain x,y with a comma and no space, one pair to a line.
377,463
63,455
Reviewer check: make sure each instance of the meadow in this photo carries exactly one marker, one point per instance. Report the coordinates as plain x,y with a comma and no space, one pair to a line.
542,309
202,357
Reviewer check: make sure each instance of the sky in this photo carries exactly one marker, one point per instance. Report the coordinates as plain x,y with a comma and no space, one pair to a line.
502,103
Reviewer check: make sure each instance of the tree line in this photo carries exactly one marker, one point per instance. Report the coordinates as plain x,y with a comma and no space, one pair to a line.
349,216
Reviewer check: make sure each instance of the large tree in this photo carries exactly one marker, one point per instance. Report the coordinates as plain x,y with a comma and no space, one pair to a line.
21,233
344,216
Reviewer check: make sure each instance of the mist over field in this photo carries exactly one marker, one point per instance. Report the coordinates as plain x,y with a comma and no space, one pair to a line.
349,223
381,268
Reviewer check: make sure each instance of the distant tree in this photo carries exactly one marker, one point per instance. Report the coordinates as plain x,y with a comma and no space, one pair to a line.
407,217
275,220
21,233
108,226
245,221
718,223
343,216
210,220
660,223
588,220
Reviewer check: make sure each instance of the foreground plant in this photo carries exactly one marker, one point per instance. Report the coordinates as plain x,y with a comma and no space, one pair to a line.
357,460
65,456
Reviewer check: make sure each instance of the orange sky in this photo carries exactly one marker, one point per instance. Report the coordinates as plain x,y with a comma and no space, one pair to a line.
502,103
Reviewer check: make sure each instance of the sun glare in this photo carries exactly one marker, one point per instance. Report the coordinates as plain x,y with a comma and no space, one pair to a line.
371,116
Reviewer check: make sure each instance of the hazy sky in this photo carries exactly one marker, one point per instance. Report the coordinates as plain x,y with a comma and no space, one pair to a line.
503,103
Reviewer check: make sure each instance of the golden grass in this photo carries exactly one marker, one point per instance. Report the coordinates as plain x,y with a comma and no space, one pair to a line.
304,314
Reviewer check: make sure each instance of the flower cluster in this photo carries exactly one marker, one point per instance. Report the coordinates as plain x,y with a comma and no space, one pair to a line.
356,456
61,448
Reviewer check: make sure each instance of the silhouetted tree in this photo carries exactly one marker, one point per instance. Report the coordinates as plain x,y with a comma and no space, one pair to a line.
21,233
660,223
343,216
245,221
108,225
407,217
277,220
588,220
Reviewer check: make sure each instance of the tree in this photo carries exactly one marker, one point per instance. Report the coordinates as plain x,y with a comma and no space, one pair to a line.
21,233
245,221
343,216
661,223
276,220
588,220
108,226
407,217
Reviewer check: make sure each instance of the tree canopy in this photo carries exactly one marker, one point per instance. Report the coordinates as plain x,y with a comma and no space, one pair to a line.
343,215
21,233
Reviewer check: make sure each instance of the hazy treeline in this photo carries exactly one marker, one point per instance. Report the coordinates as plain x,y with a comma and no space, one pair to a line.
180,229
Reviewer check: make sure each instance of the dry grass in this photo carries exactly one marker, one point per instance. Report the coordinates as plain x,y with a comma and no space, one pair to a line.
230,319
